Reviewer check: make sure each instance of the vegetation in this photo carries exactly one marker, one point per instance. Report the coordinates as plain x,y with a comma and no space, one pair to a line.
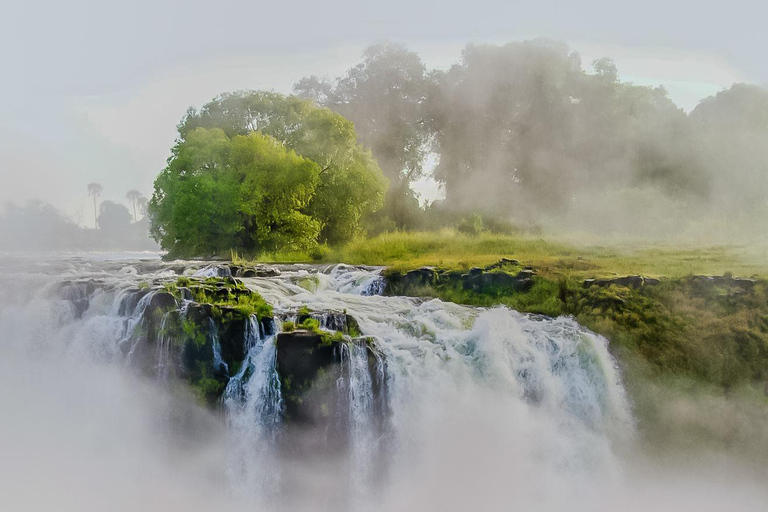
525,131
552,256
224,295
313,325
258,172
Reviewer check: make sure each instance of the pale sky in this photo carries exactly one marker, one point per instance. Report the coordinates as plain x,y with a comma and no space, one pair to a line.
92,91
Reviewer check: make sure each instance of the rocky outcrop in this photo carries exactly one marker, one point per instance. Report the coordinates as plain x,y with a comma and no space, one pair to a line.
315,377
504,276
635,282
307,365
725,281
78,294
253,271
483,281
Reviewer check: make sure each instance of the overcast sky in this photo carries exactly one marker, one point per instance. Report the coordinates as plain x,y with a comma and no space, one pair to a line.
92,91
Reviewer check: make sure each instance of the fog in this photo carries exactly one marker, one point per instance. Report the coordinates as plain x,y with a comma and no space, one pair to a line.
594,121
87,99
530,133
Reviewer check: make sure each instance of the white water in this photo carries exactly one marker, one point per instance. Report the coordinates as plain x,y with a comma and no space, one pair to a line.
485,408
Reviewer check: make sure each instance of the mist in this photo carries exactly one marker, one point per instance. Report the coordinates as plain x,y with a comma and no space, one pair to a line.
526,132
125,444
379,257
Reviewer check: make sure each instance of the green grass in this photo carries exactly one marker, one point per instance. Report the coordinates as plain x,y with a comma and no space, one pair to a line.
567,255
453,250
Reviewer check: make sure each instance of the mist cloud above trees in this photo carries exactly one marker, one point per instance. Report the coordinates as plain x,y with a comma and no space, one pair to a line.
523,131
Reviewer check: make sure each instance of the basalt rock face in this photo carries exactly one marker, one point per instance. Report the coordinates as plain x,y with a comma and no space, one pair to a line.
726,281
78,294
504,276
317,387
193,330
480,280
634,282
253,271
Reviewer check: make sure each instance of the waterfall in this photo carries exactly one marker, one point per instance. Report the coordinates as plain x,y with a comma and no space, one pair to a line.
425,378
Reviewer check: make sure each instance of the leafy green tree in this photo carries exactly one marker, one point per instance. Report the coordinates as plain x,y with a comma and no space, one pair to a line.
247,192
384,95
350,186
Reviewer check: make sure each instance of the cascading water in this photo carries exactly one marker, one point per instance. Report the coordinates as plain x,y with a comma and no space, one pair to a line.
426,378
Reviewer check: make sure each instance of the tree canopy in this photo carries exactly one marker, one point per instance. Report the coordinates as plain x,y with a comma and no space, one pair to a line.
258,171
384,95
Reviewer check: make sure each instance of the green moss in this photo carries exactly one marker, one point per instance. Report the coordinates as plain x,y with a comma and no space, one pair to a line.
311,324
208,389
328,339
222,293
194,333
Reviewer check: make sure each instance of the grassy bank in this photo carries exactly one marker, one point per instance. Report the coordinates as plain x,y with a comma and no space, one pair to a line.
591,258
681,327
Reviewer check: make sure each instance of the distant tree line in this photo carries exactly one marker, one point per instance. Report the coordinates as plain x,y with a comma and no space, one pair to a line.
37,225
523,132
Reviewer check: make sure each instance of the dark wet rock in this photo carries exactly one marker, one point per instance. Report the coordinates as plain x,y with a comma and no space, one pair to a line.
742,284
315,375
420,277
497,282
199,312
161,301
332,320
397,283
634,282
502,263
78,293
258,272
306,364
526,273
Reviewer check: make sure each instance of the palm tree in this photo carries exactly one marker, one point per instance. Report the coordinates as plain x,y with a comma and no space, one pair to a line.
133,197
94,189
142,204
